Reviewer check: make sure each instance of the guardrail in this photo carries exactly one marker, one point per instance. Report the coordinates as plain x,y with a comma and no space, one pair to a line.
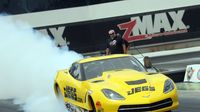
176,76
178,48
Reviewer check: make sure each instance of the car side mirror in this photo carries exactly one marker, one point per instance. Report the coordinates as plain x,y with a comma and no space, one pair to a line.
147,62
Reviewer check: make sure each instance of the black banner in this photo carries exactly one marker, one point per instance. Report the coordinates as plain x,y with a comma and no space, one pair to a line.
139,29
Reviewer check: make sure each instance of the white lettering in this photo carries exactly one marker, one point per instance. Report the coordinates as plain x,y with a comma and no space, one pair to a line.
143,27
149,26
161,21
57,34
44,31
177,18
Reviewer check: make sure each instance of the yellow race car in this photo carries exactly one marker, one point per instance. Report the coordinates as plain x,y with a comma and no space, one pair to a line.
114,83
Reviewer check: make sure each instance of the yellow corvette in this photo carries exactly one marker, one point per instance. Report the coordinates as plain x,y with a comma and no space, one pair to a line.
114,83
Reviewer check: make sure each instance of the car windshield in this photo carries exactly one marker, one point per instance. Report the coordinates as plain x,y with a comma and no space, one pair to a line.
96,68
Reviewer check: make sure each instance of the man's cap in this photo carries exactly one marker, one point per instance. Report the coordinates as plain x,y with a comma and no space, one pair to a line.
111,31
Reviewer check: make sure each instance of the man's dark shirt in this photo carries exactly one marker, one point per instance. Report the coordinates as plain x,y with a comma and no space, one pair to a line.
115,45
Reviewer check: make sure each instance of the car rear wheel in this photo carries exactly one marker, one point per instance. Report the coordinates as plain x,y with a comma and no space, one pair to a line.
60,97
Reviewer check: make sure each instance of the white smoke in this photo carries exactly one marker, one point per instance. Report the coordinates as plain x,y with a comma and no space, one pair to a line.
28,65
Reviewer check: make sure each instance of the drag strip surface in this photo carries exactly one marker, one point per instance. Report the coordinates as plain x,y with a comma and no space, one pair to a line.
8,106
189,102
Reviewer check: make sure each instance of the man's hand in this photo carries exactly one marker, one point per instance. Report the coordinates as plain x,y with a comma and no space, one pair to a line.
107,51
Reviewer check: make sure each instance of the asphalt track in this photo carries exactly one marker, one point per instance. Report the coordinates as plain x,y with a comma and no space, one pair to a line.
189,102
188,92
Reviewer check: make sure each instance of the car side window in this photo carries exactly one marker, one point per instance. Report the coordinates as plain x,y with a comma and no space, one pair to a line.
72,68
75,71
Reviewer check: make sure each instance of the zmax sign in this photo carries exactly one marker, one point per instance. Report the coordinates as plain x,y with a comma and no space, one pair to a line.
139,28
144,29
154,25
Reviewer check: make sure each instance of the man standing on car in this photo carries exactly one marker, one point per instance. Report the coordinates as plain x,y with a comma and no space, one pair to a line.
115,44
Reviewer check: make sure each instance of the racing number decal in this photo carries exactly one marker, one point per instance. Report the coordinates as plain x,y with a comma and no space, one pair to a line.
70,93
140,89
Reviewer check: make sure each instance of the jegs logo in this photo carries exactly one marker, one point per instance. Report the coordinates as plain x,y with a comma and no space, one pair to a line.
147,27
71,93
140,89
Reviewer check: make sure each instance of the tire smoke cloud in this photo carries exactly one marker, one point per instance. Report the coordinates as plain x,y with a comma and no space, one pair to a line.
29,62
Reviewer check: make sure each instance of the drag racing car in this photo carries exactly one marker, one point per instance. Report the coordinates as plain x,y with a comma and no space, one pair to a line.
114,83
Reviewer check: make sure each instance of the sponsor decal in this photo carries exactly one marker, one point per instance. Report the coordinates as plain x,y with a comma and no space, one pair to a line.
73,108
189,73
149,26
113,43
198,74
140,89
70,93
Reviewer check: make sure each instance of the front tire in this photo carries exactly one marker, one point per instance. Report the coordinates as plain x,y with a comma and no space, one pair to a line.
92,104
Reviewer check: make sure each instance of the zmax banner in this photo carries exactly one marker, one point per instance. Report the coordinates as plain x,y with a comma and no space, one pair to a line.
139,29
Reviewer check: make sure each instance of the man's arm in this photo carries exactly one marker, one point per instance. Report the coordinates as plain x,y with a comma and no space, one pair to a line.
123,46
124,49
127,45
107,48
127,48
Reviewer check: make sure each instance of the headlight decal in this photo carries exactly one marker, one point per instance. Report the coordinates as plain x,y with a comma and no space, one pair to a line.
168,86
112,94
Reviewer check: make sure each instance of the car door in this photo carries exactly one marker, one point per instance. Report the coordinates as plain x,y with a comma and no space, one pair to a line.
74,90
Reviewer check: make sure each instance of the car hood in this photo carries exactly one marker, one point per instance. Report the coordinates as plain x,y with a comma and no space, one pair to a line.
128,82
